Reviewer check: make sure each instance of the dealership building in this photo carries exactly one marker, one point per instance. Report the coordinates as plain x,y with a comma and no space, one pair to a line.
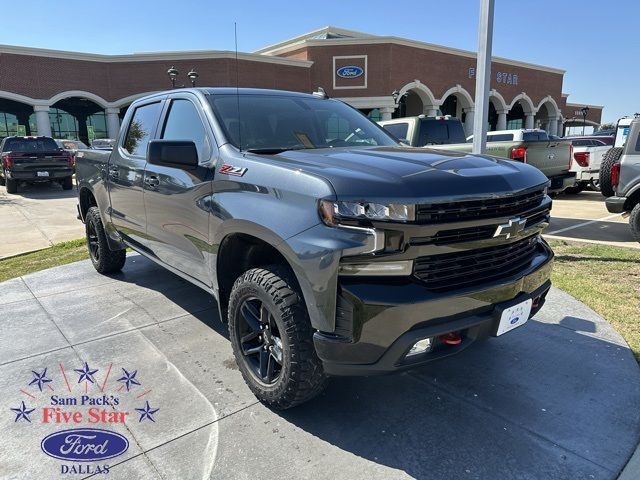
85,96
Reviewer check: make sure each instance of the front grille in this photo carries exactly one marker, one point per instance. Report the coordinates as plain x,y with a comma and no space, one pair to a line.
483,232
471,267
478,209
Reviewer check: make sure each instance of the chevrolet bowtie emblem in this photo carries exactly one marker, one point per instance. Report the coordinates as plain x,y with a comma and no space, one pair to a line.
511,229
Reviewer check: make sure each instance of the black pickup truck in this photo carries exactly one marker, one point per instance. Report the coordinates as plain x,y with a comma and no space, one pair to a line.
330,248
34,159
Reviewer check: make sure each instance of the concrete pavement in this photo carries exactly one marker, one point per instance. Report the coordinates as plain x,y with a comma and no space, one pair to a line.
555,399
37,217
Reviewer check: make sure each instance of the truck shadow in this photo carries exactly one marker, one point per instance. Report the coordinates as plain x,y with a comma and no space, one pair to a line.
42,191
555,399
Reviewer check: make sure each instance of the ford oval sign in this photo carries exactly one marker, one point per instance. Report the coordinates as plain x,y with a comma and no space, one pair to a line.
84,444
350,71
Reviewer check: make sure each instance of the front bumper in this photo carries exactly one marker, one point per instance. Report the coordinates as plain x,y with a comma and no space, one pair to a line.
386,318
616,204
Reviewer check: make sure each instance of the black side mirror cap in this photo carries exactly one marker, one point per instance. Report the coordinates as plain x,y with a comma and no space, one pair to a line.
173,153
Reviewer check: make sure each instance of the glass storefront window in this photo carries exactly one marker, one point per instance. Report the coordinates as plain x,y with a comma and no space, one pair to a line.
374,115
8,124
99,123
515,124
63,124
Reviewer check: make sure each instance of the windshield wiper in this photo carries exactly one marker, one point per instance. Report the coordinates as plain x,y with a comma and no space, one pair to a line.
272,151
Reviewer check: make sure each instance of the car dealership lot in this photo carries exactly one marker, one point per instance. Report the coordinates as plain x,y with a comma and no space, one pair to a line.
553,399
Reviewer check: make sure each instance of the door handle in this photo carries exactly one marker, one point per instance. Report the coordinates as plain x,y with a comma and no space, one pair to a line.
151,181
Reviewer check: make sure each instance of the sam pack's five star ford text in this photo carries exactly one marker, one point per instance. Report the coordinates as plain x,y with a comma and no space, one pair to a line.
330,248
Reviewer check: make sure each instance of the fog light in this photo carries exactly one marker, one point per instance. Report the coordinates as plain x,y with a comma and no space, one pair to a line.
421,346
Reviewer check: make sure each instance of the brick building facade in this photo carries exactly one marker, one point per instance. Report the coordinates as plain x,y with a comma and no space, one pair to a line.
82,95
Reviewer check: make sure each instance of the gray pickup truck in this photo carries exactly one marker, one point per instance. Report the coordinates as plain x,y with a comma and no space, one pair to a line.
330,248
551,157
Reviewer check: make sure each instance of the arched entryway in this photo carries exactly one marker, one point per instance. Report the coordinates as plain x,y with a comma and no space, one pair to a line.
415,98
521,112
16,118
78,118
547,116
458,103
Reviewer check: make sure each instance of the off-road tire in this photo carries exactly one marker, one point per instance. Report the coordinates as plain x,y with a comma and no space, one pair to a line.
67,183
12,185
301,376
634,222
103,258
608,160
575,189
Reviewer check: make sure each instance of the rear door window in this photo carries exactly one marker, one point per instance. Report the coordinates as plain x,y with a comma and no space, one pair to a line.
440,132
142,127
398,130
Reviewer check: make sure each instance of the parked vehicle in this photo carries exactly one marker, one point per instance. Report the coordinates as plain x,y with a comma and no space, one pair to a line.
587,157
625,179
423,131
330,251
601,139
103,144
71,146
34,159
534,147
612,157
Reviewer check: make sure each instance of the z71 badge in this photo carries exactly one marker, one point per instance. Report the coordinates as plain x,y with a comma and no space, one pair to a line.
231,170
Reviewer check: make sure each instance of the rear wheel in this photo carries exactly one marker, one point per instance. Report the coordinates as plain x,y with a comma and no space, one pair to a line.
608,160
67,183
2,178
103,258
634,222
12,185
272,338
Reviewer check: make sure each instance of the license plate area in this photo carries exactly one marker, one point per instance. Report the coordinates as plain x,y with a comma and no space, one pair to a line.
512,315
42,174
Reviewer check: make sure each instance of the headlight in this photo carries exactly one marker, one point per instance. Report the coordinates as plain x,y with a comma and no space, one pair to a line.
332,212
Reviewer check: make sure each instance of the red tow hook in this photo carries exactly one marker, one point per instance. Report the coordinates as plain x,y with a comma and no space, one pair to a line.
452,338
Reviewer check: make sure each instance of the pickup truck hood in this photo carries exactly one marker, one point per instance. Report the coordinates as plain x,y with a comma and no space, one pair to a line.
372,173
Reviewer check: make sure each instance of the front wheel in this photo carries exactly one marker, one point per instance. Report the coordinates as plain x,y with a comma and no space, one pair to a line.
272,338
634,222
103,258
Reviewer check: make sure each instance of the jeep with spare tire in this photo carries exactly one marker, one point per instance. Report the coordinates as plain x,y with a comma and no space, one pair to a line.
624,178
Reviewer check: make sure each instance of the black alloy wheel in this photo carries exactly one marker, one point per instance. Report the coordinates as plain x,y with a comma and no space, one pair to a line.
93,242
260,341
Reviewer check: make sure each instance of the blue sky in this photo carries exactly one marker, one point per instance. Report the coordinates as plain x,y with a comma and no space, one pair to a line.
595,42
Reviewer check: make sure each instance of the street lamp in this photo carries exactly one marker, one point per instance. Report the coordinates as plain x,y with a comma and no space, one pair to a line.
193,76
173,74
585,111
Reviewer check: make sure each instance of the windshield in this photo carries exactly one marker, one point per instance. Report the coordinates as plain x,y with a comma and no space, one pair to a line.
277,123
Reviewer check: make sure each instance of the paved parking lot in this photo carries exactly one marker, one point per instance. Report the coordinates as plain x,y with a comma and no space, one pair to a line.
584,217
40,215
555,399
37,217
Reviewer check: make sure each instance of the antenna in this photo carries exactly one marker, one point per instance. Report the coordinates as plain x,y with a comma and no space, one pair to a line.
235,35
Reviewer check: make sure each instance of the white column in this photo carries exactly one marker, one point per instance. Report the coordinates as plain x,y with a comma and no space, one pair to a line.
431,111
560,125
42,120
113,121
502,120
468,121
528,120
553,126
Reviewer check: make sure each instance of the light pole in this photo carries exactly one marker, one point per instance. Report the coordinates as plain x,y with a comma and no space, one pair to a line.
585,111
173,74
193,76
483,76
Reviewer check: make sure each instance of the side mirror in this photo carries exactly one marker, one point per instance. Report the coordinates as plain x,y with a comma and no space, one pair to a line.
173,153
